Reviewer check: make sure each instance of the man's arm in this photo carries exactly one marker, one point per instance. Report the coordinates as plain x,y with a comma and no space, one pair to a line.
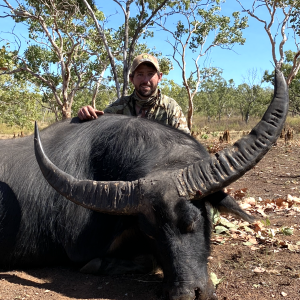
176,115
182,122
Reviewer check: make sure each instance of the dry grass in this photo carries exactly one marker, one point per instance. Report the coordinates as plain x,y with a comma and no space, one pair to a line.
7,132
10,130
235,124
213,129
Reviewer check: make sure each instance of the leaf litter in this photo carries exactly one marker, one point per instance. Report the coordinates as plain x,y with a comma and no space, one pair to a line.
261,233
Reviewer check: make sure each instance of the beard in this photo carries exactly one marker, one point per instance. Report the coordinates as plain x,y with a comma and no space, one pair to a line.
146,92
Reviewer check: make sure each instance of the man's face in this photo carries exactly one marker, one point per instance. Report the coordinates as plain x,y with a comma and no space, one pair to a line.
145,80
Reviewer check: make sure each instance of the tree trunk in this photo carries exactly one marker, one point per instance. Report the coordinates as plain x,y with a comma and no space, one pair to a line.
96,89
247,117
66,112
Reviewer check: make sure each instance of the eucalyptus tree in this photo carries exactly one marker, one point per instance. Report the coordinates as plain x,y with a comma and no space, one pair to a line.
133,28
200,27
217,95
20,104
106,94
294,87
252,98
278,17
64,53
218,90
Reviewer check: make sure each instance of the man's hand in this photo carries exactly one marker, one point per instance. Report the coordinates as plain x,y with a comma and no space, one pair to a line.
89,113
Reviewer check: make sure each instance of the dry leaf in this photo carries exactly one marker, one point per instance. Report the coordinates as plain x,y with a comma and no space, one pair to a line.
218,239
261,211
228,190
293,199
259,270
281,203
270,206
234,236
239,194
293,248
249,200
253,240
215,280
245,205
257,226
273,272
281,243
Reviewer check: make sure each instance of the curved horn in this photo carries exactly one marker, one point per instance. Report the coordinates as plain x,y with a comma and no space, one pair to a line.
114,197
210,175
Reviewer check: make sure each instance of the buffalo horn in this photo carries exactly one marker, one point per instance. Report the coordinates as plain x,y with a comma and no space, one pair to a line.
114,197
210,175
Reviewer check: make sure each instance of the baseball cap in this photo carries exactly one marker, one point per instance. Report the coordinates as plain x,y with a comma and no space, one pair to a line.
142,58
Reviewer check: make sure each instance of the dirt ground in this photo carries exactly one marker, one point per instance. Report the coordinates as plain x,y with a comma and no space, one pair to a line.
265,270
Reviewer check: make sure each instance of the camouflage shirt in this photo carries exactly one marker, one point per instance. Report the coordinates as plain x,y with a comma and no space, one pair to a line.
166,110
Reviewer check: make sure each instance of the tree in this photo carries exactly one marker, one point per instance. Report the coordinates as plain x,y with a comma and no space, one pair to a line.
216,96
19,104
128,34
193,37
106,94
217,92
294,87
285,12
175,91
64,54
252,99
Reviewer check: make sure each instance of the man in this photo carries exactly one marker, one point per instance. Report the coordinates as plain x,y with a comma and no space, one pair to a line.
146,101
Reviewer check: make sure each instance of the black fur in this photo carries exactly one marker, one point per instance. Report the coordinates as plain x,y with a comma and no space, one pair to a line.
38,226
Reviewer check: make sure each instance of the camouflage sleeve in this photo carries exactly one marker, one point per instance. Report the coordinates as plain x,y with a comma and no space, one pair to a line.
182,122
111,109
116,107
177,118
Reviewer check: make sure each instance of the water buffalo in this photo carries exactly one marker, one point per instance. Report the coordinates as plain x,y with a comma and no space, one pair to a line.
139,194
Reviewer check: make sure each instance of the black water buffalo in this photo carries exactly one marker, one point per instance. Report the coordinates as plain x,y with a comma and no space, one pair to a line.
139,193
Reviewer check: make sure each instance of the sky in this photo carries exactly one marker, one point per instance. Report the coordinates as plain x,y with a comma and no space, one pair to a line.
236,63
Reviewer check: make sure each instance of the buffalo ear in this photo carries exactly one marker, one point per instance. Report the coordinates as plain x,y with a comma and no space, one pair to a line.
224,203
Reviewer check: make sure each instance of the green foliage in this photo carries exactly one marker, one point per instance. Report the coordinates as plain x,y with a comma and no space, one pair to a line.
227,33
294,87
19,103
6,57
266,222
64,54
287,231
295,16
216,95
105,96
200,28
218,98
252,100
175,91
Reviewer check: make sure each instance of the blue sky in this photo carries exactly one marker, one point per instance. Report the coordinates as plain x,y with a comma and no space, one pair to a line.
256,53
